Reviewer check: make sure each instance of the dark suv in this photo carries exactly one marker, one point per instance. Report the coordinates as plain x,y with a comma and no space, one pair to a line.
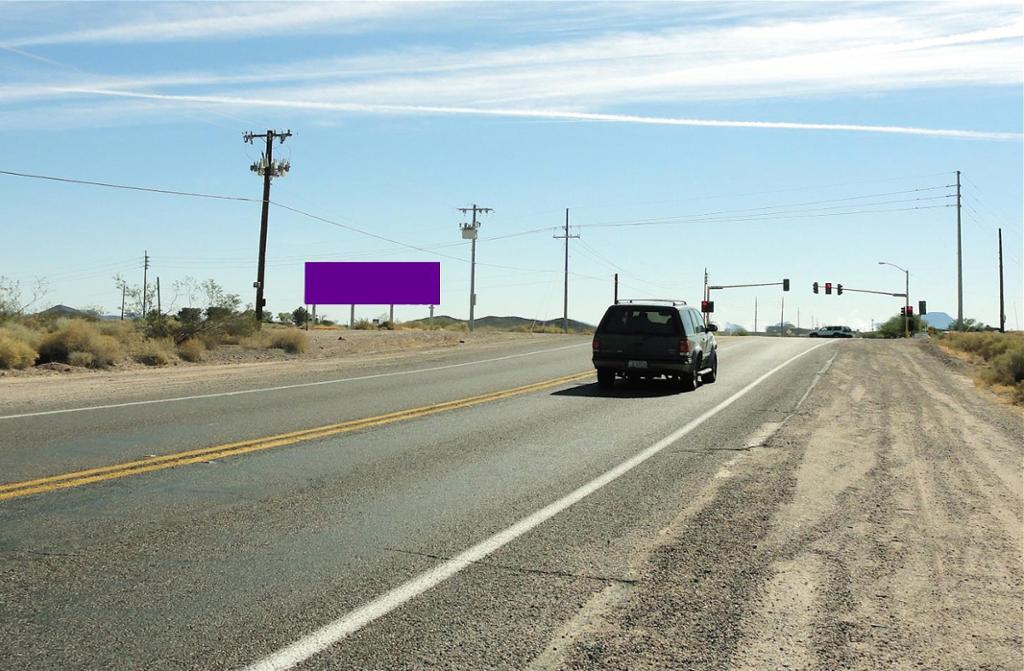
648,339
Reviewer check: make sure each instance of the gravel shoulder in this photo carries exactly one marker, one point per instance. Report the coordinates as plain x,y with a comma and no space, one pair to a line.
879,527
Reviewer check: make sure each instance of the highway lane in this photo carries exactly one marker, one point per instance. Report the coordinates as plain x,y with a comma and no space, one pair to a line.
39,442
220,565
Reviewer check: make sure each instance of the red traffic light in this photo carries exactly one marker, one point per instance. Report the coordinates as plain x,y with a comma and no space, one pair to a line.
828,287
707,306
910,310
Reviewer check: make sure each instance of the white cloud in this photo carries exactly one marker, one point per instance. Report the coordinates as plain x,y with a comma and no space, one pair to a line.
194,21
248,103
802,52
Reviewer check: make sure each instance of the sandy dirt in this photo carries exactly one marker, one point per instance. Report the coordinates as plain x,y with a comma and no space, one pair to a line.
879,527
235,367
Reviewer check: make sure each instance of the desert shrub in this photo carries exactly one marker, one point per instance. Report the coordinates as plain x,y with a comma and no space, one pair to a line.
82,359
155,352
363,325
15,353
258,340
192,349
292,341
1008,367
77,335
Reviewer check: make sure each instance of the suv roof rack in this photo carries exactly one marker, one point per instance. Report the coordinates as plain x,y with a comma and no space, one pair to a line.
671,301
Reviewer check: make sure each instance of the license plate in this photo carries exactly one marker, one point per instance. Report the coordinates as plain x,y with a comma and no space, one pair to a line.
636,364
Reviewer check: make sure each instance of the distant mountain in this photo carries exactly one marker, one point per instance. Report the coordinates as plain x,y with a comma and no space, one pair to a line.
508,323
729,327
938,320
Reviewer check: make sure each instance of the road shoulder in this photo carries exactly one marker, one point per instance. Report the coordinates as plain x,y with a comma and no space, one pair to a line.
879,527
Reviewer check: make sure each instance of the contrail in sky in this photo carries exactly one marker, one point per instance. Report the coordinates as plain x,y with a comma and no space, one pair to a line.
552,114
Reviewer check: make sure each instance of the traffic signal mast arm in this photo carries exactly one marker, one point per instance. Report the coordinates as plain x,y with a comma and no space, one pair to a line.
869,291
737,286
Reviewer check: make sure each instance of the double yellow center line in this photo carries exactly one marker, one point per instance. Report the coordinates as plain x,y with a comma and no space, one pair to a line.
51,483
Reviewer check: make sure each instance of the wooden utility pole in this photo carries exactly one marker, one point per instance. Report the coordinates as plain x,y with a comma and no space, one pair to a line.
959,262
565,298
469,232
268,168
159,309
124,292
615,300
1002,307
145,286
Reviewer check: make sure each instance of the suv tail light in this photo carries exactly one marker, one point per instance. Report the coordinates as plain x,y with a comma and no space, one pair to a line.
596,344
684,346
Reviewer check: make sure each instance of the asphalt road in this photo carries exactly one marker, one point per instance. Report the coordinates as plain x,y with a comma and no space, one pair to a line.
462,538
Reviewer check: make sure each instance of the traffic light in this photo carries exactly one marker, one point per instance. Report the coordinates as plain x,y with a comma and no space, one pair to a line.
910,310
707,307
922,307
828,288
785,284
814,287
839,290
903,312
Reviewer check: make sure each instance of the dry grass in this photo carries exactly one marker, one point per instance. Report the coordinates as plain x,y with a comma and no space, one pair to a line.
154,352
192,350
999,358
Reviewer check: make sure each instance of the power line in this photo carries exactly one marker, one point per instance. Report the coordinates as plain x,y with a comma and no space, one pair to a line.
796,214
125,187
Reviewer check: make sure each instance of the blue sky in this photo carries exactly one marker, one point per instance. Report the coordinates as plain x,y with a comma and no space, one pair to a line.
403,112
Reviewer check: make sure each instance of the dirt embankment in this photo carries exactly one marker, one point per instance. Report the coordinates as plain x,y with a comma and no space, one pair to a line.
879,528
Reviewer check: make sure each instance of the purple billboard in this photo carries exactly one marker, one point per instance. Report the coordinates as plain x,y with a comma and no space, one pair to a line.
373,283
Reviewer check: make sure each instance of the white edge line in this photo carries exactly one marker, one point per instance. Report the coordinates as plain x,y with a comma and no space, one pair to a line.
326,636
260,390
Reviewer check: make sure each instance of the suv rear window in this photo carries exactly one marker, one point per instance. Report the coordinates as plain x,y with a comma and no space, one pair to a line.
629,320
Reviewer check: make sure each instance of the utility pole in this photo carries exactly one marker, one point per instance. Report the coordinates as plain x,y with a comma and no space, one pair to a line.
755,315
1002,308
959,262
469,232
565,299
782,319
124,291
616,295
145,286
159,310
268,168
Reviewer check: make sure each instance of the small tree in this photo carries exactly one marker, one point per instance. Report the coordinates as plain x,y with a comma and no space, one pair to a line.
12,304
894,327
300,316
284,317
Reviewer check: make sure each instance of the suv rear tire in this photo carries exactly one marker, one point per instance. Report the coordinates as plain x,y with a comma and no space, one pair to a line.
709,378
688,381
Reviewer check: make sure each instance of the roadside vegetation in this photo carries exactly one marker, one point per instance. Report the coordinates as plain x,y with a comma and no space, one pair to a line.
157,339
998,358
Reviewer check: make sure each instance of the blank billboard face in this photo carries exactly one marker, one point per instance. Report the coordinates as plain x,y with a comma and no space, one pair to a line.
373,283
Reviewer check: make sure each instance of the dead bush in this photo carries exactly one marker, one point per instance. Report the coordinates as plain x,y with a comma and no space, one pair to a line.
155,352
192,349
15,353
292,341
76,335
81,359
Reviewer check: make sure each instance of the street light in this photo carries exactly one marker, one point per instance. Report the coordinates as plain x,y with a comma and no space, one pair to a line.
906,317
